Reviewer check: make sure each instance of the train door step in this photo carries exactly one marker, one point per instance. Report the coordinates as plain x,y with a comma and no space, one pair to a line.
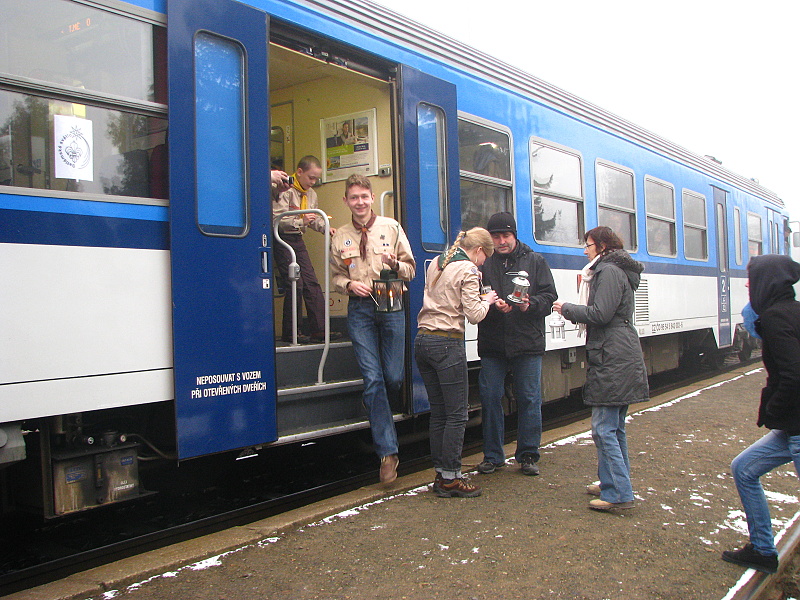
298,366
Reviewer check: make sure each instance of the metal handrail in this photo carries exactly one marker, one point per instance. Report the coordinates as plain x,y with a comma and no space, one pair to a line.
383,197
295,268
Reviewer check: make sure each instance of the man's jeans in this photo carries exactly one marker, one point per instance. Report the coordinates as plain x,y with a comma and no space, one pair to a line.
613,467
379,345
771,451
527,372
442,364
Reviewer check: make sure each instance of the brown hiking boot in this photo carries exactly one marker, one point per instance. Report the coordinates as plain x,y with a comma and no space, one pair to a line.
388,472
455,488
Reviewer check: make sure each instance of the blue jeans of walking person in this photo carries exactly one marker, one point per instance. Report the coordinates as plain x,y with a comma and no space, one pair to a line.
527,372
610,440
442,364
379,344
773,450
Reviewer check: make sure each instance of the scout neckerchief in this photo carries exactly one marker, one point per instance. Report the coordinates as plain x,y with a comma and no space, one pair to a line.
362,247
303,193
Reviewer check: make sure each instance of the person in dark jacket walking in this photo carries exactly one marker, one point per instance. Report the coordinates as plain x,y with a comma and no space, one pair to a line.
511,337
616,376
770,279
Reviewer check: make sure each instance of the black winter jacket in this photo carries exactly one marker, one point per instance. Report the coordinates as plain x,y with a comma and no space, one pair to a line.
517,332
616,373
772,297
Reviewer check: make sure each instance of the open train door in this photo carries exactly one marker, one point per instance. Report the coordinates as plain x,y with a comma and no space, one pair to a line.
429,192
225,395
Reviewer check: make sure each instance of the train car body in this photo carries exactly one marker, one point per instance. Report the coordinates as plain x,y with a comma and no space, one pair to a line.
136,229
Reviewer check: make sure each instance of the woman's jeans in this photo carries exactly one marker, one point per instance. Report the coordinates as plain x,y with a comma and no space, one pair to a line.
613,468
771,451
442,364
379,341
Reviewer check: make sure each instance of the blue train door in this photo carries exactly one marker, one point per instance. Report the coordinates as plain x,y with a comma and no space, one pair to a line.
723,274
430,185
225,395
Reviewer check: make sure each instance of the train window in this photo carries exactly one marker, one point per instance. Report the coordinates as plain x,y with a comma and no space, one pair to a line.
78,47
70,65
659,198
222,195
277,150
616,205
485,170
695,228
755,240
557,181
433,174
737,234
101,151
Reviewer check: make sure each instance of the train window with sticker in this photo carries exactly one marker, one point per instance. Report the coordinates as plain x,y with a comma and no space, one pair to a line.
659,197
53,144
84,109
737,234
695,227
484,151
755,239
558,197
616,204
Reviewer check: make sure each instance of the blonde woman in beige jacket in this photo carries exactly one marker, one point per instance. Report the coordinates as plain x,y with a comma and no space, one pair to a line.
452,293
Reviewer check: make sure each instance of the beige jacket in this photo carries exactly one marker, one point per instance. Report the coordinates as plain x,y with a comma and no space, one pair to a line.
385,236
290,200
451,297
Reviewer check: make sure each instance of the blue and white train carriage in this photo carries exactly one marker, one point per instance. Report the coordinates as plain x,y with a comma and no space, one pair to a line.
138,302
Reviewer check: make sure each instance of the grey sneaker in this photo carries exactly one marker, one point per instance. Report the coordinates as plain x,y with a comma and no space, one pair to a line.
488,466
528,465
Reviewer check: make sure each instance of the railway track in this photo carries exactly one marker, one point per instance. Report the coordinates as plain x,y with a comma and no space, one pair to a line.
44,552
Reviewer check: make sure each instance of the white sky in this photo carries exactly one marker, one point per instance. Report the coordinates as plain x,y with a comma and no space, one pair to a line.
718,77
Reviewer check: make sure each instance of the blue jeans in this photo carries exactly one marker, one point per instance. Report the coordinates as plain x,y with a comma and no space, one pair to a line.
527,372
379,341
613,467
773,450
442,364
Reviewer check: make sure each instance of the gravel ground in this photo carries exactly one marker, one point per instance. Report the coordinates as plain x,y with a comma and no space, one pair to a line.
529,537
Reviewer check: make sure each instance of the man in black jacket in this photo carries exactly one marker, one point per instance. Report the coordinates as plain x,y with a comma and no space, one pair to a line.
511,338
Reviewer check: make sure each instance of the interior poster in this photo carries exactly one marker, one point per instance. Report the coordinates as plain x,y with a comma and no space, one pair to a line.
349,145
74,148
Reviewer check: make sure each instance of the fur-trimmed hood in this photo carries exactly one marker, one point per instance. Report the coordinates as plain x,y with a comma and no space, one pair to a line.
632,268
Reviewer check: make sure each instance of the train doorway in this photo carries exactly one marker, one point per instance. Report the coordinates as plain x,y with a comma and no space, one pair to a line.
723,274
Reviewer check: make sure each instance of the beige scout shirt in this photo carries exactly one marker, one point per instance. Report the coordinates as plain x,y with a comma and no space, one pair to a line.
290,200
451,297
385,236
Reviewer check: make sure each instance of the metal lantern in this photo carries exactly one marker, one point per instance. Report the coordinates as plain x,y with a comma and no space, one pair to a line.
388,292
521,285
558,327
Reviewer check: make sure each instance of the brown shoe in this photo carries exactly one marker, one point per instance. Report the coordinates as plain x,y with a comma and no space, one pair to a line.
593,489
598,504
388,472
455,488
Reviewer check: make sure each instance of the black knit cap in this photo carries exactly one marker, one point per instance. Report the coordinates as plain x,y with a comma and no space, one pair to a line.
502,222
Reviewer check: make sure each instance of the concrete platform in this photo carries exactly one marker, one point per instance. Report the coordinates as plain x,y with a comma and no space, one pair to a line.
525,537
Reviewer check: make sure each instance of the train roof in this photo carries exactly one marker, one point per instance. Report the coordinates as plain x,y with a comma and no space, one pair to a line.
387,24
